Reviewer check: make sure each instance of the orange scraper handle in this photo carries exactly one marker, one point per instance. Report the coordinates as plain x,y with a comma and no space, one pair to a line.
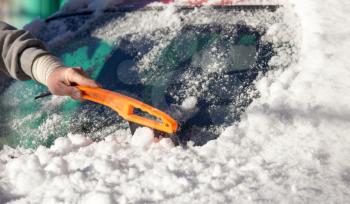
125,107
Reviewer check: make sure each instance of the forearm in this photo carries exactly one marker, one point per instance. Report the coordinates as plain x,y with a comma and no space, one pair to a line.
25,57
43,66
19,50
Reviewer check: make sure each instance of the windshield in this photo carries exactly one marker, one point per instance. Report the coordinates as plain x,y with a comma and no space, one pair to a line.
214,64
200,73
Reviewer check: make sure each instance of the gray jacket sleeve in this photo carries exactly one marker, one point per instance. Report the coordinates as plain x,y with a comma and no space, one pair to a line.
18,49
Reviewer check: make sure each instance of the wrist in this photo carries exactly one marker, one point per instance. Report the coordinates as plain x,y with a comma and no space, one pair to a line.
43,67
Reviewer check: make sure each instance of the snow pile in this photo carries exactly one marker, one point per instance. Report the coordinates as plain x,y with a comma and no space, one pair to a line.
292,145
143,137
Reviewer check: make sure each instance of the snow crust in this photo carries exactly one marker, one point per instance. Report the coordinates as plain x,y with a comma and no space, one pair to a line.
189,103
292,145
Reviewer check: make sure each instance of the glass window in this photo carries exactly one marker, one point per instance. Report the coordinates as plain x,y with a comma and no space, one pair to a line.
212,63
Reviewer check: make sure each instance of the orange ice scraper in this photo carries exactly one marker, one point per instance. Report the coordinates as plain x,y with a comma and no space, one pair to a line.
125,106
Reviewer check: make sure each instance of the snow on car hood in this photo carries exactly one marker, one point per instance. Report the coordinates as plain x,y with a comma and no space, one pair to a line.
291,146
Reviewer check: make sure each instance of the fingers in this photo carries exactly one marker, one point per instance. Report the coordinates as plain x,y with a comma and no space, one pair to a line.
78,76
61,89
74,93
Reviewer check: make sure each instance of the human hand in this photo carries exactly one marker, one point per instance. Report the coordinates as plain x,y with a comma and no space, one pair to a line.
61,82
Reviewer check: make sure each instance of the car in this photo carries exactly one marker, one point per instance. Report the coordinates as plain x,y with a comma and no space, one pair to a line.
196,62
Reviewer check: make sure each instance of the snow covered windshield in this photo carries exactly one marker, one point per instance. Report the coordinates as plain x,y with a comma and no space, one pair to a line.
199,70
